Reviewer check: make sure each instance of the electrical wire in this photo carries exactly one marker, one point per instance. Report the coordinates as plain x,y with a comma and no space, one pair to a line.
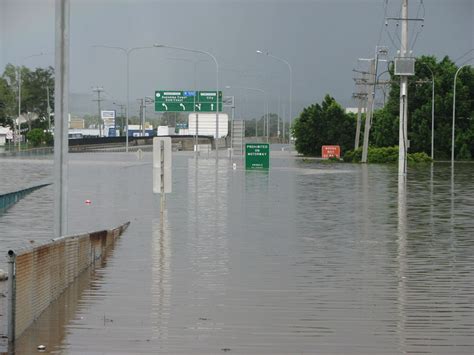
383,22
395,46
420,29
465,54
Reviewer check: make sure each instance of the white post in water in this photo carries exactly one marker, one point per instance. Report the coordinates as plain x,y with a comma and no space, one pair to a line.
162,181
61,109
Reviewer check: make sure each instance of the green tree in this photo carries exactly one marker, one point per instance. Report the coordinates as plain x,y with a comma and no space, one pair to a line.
33,93
384,131
35,137
325,124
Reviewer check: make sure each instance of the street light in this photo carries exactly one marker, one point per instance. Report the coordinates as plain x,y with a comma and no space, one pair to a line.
195,63
265,103
127,52
432,109
291,86
454,113
217,83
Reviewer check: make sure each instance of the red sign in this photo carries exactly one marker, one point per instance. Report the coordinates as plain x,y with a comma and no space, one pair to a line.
330,151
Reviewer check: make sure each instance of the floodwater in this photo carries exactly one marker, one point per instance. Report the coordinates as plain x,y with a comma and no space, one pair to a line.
309,257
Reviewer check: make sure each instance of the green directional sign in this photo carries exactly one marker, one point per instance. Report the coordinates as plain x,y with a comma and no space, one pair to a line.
257,156
187,101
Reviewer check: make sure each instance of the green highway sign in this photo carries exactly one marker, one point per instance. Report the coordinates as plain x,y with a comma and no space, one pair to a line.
187,101
257,156
207,107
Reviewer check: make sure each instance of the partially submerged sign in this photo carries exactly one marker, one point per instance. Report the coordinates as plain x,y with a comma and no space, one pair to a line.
257,156
330,151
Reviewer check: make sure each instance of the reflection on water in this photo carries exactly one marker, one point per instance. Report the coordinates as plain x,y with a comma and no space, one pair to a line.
308,257
50,328
161,277
402,258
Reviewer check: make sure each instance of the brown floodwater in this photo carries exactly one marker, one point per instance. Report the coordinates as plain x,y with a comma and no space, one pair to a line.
308,257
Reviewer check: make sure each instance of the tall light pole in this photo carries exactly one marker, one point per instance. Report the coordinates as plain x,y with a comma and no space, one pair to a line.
217,83
432,109
454,113
61,110
195,64
291,87
265,102
127,52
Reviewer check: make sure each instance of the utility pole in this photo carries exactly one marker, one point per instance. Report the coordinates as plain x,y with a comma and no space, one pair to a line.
403,132
18,135
48,108
361,98
122,107
278,118
371,98
143,116
140,114
99,90
368,114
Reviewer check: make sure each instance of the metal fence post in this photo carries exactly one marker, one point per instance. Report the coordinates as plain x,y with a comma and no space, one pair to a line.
11,296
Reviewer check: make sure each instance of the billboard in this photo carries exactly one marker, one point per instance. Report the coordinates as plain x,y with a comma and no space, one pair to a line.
107,114
206,124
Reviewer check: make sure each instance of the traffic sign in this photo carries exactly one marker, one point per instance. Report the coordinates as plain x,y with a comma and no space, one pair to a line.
257,156
187,101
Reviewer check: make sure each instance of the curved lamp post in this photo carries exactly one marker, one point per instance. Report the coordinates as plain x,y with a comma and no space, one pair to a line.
432,109
265,103
195,64
217,82
127,52
454,113
268,54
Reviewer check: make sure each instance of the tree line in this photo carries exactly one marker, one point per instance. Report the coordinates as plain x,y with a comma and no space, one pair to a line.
35,85
327,123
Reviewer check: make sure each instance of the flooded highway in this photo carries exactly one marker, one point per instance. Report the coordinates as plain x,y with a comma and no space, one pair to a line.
309,257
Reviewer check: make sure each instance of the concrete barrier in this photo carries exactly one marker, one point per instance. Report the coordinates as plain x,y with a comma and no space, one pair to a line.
37,276
9,199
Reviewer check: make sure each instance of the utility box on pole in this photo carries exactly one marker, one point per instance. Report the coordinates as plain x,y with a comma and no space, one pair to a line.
404,66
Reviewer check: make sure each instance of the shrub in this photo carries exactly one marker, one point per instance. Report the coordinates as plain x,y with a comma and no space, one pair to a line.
49,139
385,155
35,136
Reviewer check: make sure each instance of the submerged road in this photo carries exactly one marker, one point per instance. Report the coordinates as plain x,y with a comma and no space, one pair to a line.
308,257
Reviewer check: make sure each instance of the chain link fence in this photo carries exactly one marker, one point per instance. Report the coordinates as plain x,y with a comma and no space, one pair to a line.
37,276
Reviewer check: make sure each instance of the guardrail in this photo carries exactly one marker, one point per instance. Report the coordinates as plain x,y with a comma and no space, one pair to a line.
32,152
9,199
37,276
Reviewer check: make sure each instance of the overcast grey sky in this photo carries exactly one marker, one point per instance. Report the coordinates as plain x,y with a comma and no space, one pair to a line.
322,39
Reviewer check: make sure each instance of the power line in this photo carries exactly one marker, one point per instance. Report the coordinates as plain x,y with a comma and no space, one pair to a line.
420,29
383,22
465,54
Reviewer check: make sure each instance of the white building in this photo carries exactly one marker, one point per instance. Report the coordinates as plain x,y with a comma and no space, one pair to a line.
5,133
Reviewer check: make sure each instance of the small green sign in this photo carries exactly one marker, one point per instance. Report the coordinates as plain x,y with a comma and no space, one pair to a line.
257,156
